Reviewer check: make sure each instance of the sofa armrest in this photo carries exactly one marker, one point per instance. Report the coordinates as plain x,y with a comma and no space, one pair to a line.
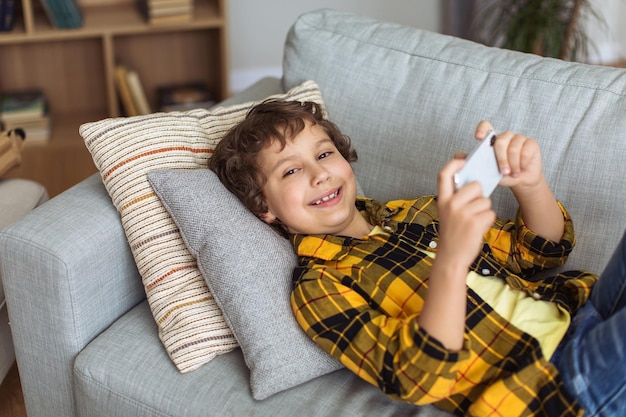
68,273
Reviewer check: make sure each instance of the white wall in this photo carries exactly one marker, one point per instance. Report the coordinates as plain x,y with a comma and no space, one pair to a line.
609,37
258,29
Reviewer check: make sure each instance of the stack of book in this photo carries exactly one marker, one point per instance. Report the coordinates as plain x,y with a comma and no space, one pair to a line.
28,110
7,13
63,14
182,97
159,12
131,92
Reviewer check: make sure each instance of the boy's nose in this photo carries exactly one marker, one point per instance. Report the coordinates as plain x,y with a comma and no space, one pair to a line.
320,176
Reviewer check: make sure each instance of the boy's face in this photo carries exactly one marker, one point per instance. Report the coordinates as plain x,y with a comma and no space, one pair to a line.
310,186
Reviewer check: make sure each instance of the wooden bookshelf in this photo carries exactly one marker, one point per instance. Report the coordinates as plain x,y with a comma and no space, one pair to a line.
75,69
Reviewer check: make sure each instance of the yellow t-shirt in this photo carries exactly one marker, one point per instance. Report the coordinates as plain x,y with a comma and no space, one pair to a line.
543,320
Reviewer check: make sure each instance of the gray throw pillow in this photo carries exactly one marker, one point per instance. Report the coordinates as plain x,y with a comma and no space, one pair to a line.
248,268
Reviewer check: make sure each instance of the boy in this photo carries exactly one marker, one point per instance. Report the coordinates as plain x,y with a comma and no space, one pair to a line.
433,299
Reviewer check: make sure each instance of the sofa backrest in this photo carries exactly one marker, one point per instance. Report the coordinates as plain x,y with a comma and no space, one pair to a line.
410,98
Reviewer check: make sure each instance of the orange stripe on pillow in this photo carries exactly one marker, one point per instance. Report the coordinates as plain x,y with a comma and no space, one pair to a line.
138,199
187,304
172,271
153,152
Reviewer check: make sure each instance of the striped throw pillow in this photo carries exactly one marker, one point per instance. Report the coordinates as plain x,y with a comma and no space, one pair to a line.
191,325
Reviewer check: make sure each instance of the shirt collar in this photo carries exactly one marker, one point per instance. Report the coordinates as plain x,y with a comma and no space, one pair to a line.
331,247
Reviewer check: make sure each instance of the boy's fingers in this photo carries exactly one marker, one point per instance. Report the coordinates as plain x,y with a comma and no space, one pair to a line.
483,128
515,154
501,148
445,180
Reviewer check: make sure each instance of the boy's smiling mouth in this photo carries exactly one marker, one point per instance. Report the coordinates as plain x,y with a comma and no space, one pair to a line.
326,198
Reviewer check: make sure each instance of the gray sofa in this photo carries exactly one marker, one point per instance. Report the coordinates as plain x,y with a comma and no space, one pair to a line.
86,343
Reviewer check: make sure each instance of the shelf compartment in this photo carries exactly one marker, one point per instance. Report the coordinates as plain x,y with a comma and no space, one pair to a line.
70,73
161,59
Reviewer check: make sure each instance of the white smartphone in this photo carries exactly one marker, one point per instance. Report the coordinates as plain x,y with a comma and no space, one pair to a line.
481,165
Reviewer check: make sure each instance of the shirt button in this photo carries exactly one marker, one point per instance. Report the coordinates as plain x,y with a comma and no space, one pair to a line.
388,228
432,244
536,295
485,271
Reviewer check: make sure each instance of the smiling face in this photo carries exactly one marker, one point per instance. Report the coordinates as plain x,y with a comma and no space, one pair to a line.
310,186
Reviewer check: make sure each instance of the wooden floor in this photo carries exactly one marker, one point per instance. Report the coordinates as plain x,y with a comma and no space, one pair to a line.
11,399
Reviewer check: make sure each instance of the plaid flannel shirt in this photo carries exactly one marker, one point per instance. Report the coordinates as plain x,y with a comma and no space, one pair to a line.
359,300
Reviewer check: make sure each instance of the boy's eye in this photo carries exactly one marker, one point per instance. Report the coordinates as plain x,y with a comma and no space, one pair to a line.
324,155
290,172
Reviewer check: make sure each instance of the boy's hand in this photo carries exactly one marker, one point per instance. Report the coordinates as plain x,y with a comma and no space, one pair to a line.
464,217
519,158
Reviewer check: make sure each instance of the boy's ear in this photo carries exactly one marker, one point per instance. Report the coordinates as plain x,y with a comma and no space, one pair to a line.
268,217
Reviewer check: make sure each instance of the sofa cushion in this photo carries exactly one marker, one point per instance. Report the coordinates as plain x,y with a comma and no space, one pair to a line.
126,372
191,324
248,268
399,91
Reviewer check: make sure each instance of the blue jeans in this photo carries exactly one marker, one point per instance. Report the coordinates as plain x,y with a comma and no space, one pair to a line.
592,356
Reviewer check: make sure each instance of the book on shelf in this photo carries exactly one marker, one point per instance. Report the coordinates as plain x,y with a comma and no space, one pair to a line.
63,14
159,12
174,10
36,130
169,20
22,105
123,89
182,97
7,15
154,8
137,92
26,109
131,91
155,4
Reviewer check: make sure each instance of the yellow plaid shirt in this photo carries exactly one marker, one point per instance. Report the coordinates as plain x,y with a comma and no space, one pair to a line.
359,300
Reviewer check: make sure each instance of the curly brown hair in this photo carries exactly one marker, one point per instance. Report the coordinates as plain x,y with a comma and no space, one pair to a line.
235,159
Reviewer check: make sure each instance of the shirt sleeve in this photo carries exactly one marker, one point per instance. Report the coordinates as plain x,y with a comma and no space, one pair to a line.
394,354
523,251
